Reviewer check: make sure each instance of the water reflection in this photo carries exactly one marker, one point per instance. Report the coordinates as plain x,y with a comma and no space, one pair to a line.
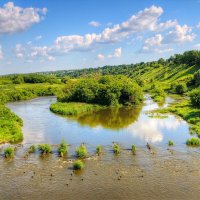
111,118
124,125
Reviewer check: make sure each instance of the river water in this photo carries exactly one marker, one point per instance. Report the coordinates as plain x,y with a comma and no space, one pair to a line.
126,126
160,173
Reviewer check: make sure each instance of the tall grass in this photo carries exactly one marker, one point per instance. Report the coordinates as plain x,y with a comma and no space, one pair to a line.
99,150
63,148
81,151
78,165
9,152
193,142
116,149
44,148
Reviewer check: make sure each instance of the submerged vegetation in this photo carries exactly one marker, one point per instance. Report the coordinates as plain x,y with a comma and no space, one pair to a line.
32,149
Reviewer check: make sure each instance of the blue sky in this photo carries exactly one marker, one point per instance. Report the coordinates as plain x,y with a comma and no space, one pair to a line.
44,35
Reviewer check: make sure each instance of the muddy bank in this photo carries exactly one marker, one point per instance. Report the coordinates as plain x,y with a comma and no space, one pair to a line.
157,174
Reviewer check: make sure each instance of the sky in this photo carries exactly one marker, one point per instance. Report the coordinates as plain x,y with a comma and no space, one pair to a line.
48,35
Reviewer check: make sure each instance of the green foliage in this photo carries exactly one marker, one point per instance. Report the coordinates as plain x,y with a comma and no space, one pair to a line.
107,90
78,165
180,88
195,97
133,149
116,149
170,143
10,126
44,148
99,149
193,142
81,151
73,109
158,94
32,149
63,148
9,152
197,78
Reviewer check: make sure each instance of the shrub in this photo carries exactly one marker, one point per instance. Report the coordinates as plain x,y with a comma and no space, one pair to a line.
45,148
180,88
133,149
193,142
81,151
63,148
197,78
116,148
32,149
78,165
99,149
195,97
170,143
9,152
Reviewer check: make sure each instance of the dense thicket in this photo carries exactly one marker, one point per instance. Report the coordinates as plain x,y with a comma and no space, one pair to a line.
107,90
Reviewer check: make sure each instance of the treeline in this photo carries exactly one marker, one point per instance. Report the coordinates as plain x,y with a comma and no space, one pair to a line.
13,93
106,90
31,78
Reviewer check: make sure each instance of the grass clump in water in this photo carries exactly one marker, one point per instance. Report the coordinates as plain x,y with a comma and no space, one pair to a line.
171,143
32,149
193,142
78,165
99,149
116,149
63,148
9,152
45,148
81,151
133,149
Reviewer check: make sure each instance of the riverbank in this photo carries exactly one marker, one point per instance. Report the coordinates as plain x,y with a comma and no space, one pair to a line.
125,176
183,108
74,108
10,123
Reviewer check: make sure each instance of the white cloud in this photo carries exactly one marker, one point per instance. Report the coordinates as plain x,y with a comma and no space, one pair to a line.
1,53
100,57
39,37
117,53
198,25
179,34
19,51
197,46
94,24
145,21
14,19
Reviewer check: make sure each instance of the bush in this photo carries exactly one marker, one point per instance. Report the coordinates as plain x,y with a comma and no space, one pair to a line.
78,165
193,142
180,88
99,149
133,149
116,148
81,151
63,148
170,143
32,149
195,97
44,148
9,152
197,78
